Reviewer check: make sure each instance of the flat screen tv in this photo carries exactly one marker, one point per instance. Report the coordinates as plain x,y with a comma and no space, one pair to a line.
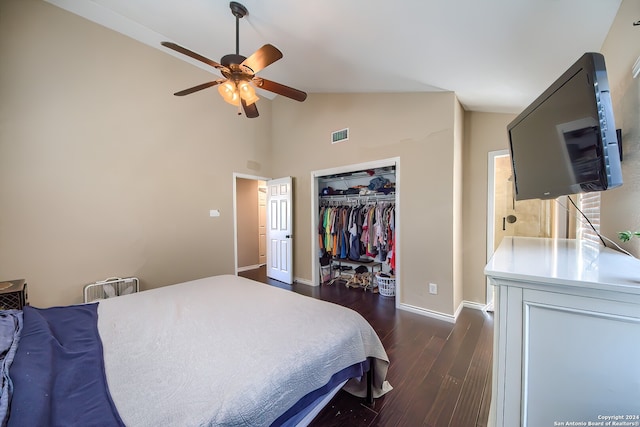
565,142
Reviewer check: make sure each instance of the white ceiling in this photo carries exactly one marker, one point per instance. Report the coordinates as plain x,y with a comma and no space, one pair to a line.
496,55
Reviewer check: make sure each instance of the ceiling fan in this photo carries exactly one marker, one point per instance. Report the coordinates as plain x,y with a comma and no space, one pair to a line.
240,72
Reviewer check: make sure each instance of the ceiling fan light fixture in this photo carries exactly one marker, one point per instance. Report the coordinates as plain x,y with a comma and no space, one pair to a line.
247,92
238,87
229,93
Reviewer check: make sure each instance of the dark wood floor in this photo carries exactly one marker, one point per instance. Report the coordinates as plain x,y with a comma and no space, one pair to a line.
440,372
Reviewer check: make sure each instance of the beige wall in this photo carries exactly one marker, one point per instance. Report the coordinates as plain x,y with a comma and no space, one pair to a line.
247,214
621,206
419,128
484,132
103,171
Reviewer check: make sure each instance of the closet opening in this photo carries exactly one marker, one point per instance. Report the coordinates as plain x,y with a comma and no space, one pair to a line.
355,225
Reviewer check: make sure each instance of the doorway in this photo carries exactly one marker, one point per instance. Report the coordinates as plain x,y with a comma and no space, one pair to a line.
249,206
262,225
508,217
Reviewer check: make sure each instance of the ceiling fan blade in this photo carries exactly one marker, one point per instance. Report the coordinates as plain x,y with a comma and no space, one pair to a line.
192,54
251,111
280,89
261,58
197,88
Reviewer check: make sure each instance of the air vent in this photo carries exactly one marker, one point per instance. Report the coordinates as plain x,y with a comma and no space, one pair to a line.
339,136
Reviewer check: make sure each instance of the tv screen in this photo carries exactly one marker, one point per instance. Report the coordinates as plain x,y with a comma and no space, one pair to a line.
565,142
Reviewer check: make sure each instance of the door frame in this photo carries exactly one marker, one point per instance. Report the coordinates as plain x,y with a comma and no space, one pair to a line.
491,190
393,161
235,215
558,221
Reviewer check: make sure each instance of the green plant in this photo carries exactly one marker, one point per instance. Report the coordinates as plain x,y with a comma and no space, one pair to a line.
625,236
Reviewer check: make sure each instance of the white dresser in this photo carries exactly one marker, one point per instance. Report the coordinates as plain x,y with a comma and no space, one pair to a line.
567,334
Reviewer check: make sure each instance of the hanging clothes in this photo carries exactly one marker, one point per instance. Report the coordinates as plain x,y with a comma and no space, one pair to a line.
349,231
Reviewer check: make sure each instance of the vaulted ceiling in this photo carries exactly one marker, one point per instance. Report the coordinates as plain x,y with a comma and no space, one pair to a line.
496,55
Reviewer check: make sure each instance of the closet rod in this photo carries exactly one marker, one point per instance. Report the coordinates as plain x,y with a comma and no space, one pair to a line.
355,200
390,196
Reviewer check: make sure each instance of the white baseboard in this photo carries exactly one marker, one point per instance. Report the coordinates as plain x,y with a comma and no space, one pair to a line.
429,313
303,281
472,305
442,316
249,267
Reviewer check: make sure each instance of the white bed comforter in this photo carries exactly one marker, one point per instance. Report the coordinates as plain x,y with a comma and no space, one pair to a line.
227,351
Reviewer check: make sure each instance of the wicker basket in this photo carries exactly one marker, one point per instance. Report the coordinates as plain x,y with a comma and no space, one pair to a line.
386,286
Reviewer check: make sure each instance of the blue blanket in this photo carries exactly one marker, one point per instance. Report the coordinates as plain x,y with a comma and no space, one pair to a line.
58,371
10,329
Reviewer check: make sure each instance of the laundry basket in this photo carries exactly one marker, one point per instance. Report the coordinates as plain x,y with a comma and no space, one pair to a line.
325,273
386,285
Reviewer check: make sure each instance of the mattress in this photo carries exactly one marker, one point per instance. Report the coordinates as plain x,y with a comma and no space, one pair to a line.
223,351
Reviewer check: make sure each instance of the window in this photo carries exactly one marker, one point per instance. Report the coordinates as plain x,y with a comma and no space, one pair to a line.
589,204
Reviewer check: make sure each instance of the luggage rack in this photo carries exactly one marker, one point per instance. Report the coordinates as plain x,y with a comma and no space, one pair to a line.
109,288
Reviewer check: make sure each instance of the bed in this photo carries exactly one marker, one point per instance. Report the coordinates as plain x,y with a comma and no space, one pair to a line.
218,351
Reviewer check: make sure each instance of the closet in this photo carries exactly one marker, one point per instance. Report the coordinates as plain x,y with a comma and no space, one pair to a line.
356,225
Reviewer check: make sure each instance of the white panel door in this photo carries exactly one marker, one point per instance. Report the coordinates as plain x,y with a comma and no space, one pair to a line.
279,230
